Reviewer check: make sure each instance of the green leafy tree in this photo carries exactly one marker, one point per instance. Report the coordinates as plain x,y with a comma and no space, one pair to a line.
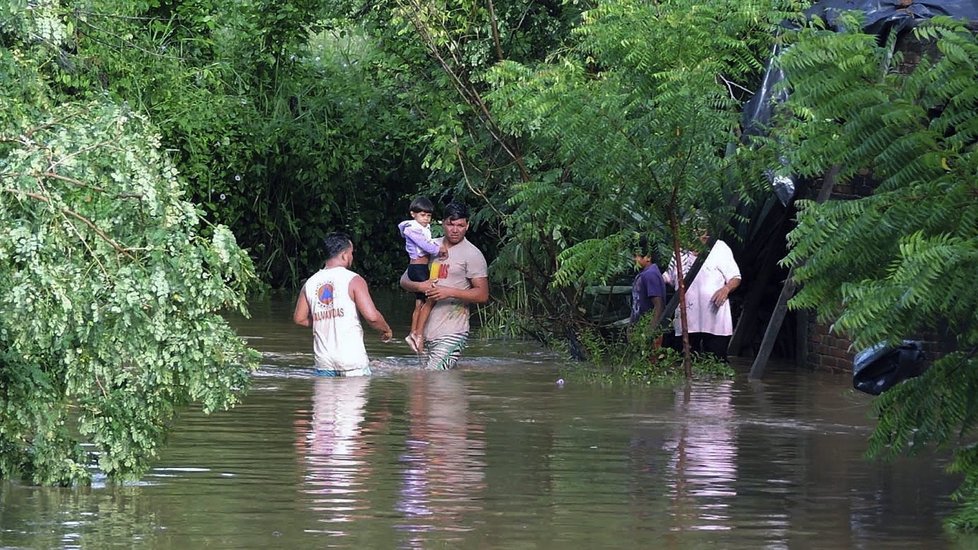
110,287
899,263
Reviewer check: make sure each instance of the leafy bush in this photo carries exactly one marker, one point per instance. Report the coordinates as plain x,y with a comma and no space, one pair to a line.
110,296
628,356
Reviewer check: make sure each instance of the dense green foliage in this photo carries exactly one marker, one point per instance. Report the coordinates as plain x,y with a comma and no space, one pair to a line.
111,287
901,262
448,51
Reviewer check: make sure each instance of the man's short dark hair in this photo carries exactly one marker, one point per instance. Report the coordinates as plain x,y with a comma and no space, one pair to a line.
456,211
422,204
644,247
336,243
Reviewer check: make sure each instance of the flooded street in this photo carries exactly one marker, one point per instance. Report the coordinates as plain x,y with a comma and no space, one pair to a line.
497,455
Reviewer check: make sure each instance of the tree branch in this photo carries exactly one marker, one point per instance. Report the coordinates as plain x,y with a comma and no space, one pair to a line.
67,211
495,31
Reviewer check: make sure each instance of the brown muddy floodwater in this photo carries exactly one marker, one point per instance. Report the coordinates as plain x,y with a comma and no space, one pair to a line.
497,455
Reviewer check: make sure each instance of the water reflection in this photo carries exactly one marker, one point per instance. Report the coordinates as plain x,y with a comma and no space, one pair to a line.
704,458
444,458
441,467
334,458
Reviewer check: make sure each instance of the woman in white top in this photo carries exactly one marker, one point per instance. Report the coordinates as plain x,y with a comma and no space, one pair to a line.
707,306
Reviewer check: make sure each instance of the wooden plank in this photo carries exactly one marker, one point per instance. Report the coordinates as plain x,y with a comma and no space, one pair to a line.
773,327
605,289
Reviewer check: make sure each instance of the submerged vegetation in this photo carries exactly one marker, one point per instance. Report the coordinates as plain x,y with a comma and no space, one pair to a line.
630,360
160,159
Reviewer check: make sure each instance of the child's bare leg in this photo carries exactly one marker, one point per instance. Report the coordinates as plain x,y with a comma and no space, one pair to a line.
412,337
422,321
415,327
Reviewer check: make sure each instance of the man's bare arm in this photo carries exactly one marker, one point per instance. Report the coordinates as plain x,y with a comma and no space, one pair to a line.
478,294
301,316
721,295
413,286
657,309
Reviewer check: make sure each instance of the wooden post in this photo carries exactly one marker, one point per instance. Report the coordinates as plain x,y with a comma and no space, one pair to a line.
773,327
787,291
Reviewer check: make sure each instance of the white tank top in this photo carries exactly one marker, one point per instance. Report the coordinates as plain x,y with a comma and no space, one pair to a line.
336,330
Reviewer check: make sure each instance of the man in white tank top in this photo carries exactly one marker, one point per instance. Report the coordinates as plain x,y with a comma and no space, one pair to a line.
329,302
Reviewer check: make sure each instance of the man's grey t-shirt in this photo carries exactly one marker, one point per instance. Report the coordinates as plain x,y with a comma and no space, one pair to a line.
451,316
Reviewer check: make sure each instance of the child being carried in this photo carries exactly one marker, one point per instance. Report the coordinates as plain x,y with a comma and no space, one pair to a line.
420,248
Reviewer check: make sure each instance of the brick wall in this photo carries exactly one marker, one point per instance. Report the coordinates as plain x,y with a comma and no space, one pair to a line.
828,352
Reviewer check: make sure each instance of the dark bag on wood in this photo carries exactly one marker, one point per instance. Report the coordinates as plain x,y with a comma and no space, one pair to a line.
880,367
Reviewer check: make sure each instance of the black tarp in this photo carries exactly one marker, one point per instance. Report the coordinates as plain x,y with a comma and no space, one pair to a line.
880,367
883,17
